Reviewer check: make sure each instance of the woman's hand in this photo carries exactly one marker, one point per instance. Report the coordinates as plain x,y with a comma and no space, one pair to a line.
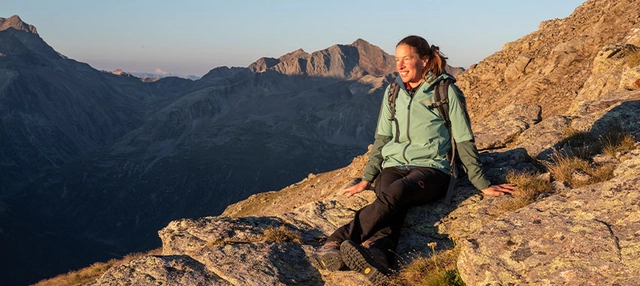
499,190
359,187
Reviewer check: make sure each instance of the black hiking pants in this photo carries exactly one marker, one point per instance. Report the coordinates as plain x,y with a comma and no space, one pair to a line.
396,191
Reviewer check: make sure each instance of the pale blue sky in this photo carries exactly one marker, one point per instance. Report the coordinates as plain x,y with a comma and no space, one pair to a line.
195,36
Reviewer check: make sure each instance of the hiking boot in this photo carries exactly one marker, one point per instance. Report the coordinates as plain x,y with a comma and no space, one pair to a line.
370,262
328,256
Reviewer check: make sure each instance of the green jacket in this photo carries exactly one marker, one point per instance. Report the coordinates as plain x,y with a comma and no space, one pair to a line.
423,137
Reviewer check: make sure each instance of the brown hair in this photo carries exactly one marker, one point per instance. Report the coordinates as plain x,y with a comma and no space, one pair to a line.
436,61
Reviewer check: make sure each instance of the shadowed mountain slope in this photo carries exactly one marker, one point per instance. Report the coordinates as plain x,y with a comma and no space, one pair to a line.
95,163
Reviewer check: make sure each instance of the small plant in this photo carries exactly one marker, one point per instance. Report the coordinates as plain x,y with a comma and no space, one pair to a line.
580,144
573,165
433,253
571,169
616,140
438,269
281,234
530,186
216,243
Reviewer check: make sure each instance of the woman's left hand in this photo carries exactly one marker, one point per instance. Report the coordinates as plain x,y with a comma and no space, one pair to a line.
499,190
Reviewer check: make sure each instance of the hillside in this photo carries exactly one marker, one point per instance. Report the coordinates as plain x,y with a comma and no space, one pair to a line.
555,91
550,67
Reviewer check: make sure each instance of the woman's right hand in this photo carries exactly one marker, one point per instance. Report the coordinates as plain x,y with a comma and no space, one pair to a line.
359,187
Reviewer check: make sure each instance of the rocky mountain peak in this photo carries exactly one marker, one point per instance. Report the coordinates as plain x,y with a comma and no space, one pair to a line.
16,23
363,45
20,38
360,42
339,61
299,53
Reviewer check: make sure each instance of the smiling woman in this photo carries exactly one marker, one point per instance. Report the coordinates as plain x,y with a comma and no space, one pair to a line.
408,170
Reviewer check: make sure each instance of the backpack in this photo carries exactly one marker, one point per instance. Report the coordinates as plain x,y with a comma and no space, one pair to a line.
442,104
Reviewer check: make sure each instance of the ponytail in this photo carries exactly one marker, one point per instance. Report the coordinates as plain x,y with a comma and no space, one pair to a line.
437,62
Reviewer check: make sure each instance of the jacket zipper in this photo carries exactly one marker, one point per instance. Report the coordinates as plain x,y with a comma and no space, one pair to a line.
404,151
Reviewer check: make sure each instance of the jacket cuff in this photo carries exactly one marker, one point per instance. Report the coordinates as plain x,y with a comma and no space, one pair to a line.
368,178
481,184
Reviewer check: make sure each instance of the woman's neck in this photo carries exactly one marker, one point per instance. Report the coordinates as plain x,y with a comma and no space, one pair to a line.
410,85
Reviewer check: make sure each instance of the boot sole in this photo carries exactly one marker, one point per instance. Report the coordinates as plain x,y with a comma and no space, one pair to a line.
358,259
329,261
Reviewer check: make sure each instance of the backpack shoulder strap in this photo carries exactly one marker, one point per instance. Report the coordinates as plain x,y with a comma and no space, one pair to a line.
442,103
394,88
442,100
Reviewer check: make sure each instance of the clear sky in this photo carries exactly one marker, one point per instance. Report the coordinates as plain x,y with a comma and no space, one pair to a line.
194,36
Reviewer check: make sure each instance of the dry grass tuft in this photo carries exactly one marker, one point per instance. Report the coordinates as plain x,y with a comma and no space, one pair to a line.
580,144
633,59
91,273
530,186
281,234
438,269
573,164
616,141
576,171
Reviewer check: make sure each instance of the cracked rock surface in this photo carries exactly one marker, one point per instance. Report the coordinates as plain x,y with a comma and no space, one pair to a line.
588,234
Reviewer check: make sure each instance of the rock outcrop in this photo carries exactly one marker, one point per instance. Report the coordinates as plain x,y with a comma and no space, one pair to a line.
584,236
551,65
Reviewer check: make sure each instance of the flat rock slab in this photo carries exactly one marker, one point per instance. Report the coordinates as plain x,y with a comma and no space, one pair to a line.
590,234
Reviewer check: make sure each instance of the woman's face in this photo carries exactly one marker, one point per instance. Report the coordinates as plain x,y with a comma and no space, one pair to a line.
409,65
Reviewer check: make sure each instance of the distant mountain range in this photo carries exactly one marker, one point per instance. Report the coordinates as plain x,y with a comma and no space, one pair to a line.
93,164
151,77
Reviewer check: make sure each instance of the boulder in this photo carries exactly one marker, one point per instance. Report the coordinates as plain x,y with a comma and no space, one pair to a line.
160,270
505,125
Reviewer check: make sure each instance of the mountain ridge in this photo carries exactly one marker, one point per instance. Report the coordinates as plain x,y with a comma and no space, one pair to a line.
341,61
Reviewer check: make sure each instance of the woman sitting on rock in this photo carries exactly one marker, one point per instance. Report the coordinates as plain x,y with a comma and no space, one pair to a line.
409,163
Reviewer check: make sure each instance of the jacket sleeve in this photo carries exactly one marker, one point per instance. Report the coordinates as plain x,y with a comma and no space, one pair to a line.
465,146
382,137
471,161
374,165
